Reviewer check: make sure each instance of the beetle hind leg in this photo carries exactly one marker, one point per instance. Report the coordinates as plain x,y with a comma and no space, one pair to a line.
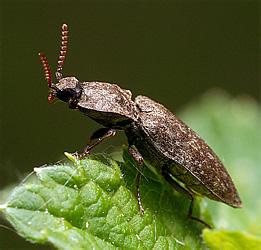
191,206
187,194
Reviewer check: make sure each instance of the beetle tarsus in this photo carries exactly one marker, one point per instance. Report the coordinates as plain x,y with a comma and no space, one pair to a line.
80,156
194,218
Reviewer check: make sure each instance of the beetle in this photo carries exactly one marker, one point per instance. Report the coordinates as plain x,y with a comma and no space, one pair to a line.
153,133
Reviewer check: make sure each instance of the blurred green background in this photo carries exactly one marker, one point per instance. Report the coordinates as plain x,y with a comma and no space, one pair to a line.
172,52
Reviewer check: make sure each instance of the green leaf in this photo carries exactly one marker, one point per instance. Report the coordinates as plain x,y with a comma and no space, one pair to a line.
92,204
224,239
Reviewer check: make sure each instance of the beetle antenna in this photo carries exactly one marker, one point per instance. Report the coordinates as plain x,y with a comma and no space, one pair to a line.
46,69
63,51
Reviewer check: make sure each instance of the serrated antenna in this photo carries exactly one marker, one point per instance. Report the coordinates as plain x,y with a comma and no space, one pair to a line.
47,71
63,51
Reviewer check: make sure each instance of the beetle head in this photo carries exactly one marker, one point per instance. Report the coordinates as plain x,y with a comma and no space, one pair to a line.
68,89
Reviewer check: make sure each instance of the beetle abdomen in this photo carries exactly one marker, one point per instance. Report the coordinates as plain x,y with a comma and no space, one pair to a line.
175,141
183,175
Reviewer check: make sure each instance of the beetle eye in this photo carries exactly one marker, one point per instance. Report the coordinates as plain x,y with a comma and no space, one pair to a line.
66,94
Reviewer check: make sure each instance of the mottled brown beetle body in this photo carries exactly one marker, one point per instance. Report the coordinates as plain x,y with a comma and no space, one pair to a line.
171,146
158,136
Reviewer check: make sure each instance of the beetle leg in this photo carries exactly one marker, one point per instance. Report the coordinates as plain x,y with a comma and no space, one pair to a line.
192,192
194,218
137,157
100,134
187,194
96,135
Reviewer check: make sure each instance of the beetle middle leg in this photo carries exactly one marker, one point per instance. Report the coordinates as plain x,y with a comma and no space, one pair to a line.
100,134
187,194
137,157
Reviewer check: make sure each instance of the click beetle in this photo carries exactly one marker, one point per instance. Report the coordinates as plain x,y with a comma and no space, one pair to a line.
153,132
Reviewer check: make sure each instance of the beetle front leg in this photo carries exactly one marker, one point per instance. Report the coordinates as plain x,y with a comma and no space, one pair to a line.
137,157
100,134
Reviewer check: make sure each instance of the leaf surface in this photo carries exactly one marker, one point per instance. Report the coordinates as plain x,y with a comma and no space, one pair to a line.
92,204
